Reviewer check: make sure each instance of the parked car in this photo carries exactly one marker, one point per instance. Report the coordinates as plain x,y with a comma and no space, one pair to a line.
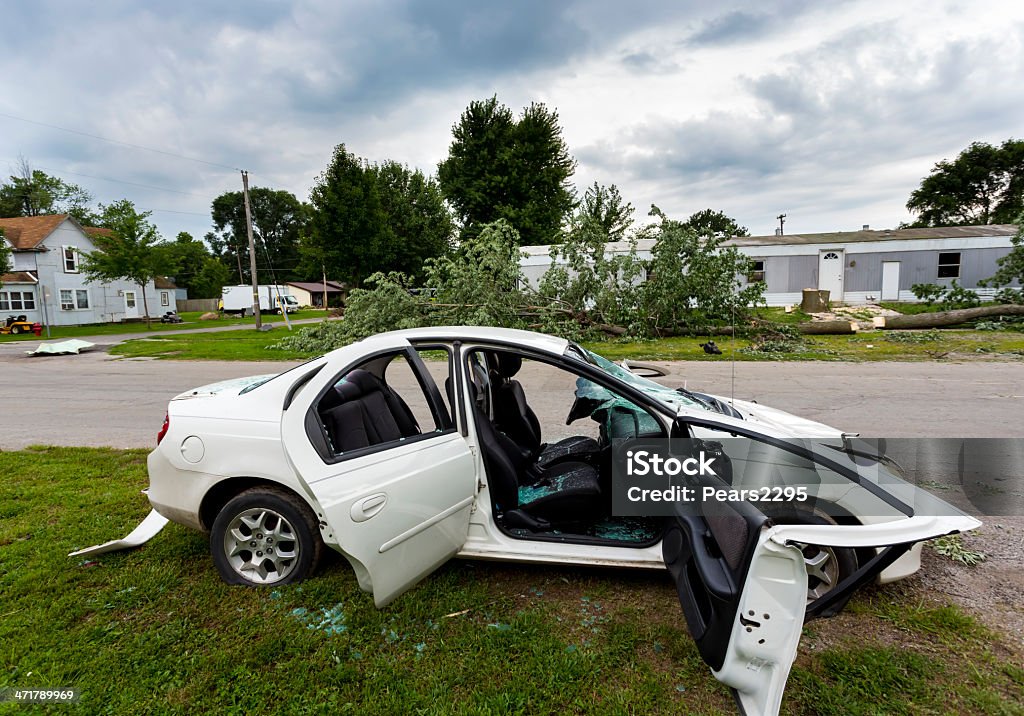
409,448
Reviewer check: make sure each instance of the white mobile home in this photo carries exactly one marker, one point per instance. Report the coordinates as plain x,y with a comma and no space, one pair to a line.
854,266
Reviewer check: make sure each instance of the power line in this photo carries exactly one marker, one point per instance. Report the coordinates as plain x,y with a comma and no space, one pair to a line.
123,144
129,183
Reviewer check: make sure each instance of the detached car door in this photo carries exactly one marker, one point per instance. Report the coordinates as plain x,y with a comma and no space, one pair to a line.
395,508
742,580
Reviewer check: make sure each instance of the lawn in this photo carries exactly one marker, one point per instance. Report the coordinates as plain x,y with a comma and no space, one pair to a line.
190,319
866,346
156,629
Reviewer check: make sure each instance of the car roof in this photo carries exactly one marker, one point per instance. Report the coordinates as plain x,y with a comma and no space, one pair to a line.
483,334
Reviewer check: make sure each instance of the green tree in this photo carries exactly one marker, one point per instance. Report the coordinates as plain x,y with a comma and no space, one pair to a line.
346,230
31,192
278,221
417,224
202,275
5,256
132,251
604,207
983,185
716,224
692,281
1010,268
499,167
368,218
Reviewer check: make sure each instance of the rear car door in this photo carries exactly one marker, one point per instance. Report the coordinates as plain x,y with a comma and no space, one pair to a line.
396,509
742,579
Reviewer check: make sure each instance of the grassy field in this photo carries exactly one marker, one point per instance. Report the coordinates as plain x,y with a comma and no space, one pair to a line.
156,629
190,319
867,346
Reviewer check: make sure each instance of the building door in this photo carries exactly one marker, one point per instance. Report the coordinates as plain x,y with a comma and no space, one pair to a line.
830,273
131,306
890,280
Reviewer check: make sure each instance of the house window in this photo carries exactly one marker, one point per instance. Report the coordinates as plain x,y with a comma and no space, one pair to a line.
71,299
165,300
17,301
949,265
70,259
756,274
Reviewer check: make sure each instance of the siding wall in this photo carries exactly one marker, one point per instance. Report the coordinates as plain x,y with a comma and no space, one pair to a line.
105,305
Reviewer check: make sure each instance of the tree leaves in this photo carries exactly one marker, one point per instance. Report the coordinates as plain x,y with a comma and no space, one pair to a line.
499,167
983,185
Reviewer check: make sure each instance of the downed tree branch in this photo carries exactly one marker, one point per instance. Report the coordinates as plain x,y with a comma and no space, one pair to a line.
951,318
827,328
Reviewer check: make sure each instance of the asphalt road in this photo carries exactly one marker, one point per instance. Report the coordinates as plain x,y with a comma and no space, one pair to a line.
92,399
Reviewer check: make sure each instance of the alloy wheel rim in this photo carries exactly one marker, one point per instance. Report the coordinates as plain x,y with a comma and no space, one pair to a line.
822,570
261,546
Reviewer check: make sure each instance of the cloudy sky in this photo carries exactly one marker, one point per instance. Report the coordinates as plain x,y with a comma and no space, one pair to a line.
828,112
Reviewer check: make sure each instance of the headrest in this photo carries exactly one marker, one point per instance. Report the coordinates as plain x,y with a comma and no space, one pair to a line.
356,384
508,364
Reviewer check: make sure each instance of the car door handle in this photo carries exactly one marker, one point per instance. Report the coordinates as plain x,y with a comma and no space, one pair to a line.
367,507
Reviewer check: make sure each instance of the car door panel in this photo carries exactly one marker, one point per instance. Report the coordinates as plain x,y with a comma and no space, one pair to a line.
397,510
742,580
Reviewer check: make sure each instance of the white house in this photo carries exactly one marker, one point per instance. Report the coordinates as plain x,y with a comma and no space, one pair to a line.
46,284
854,266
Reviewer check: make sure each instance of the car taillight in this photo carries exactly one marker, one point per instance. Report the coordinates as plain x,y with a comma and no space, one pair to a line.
163,428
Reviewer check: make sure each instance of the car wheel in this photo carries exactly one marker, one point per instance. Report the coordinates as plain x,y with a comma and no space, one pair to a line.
265,536
826,566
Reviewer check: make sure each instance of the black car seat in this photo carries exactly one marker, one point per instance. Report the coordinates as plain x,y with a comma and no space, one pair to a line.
566,493
514,417
366,411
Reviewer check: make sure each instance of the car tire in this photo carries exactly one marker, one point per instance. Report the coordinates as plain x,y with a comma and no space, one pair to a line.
15,330
265,536
826,566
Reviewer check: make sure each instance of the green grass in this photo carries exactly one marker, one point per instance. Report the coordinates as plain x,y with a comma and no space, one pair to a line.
912,309
155,630
867,346
190,319
216,345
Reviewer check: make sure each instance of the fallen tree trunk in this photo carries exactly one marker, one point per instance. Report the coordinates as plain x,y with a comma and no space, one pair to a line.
951,318
827,328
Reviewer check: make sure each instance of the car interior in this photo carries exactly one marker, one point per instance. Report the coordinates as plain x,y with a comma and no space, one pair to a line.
381,401
559,491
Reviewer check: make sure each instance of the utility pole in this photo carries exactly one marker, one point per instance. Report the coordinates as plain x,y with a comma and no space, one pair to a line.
324,270
252,252
782,223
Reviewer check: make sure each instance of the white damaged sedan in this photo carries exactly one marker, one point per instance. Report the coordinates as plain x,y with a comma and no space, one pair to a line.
409,448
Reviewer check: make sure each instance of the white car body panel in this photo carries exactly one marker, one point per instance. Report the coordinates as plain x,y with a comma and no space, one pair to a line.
770,615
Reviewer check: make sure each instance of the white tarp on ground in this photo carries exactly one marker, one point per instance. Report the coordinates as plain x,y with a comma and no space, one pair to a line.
61,348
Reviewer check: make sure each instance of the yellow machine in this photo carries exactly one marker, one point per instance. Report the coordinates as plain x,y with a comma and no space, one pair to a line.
16,325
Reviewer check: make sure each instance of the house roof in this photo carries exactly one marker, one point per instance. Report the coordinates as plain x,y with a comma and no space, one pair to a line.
837,237
318,286
18,277
164,282
27,232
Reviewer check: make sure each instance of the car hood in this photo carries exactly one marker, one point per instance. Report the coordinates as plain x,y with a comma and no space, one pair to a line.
234,386
761,415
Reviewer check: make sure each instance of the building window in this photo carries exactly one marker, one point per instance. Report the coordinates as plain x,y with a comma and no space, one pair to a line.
756,274
165,300
17,301
71,299
70,259
949,265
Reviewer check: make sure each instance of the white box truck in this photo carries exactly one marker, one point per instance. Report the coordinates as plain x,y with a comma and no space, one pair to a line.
273,299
